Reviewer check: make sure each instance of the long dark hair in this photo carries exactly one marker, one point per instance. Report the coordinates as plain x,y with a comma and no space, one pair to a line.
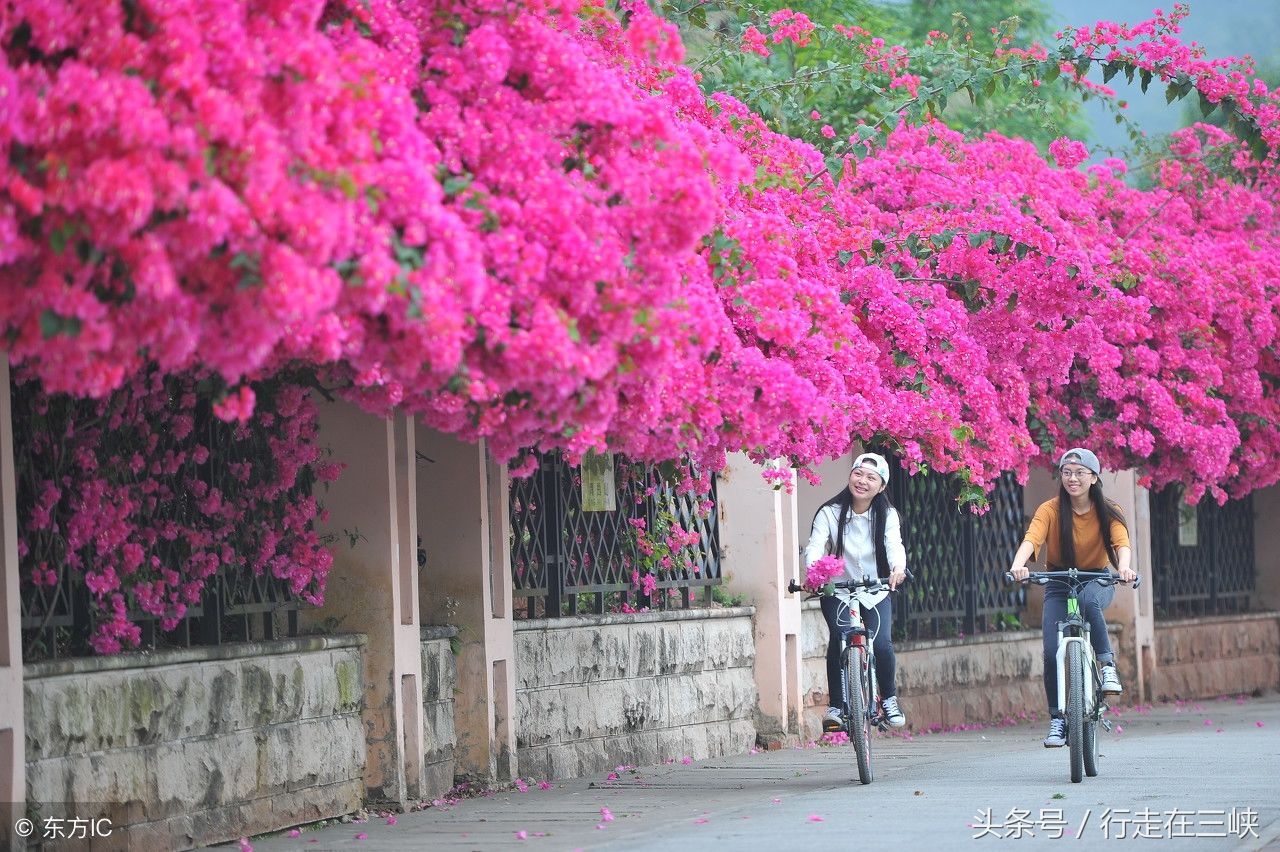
880,507
1107,510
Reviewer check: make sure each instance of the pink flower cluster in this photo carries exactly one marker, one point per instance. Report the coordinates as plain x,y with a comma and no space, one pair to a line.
147,499
823,570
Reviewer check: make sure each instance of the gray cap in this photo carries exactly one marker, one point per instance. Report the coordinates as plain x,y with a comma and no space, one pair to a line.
1082,457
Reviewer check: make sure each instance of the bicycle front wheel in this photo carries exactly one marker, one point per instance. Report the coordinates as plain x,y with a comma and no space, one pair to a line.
1091,717
859,718
1075,710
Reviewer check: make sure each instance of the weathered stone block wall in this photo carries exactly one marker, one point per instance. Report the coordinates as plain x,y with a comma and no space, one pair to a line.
1204,657
439,679
596,692
979,679
184,748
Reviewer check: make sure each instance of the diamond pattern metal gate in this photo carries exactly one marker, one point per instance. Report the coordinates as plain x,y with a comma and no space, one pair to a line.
1202,556
957,559
567,561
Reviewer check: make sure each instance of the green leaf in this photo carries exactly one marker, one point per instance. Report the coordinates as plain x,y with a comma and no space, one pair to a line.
1012,302
979,238
698,17
1110,70
1145,77
943,240
60,236
877,246
1052,68
53,323
456,183
845,257
1206,106
1020,250
1001,242
1082,66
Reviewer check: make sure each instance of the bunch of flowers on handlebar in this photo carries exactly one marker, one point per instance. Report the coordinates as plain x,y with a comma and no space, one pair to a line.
822,573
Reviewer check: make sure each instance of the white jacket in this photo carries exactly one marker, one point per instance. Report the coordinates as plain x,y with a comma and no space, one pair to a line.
859,551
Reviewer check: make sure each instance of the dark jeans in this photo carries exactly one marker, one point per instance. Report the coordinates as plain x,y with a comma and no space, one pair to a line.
1093,600
878,621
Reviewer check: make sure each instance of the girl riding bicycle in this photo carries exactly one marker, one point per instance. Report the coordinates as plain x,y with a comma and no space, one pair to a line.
1081,529
860,524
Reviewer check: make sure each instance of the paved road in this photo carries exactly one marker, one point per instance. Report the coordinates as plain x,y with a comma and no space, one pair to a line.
1205,772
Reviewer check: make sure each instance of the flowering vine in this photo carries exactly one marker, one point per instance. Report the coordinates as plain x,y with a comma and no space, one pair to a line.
527,222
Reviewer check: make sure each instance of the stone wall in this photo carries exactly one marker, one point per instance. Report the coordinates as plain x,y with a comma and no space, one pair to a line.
596,692
200,745
978,679
439,739
1205,657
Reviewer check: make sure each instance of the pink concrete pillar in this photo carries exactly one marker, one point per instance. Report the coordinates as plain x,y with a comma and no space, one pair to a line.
1266,547
465,523
760,546
373,587
12,760
1132,608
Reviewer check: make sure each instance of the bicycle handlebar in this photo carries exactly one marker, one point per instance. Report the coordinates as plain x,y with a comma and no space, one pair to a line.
1102,578
870,584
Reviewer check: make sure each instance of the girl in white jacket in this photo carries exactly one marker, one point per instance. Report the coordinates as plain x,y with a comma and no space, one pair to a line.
863,526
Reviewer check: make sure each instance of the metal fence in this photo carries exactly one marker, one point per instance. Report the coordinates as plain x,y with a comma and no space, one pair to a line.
957,559
236,607
567,561
58,620
1202,556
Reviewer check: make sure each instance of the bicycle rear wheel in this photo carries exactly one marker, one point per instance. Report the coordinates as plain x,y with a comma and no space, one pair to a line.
859,719
1075,710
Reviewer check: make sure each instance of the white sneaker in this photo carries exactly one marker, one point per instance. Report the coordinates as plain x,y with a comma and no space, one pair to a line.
1111,680
833,720
1057,733
893,713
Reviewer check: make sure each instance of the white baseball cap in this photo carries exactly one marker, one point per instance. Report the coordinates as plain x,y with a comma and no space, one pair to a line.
876,462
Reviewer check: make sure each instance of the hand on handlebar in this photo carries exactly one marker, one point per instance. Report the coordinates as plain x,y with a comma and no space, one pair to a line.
1128,575
1019,572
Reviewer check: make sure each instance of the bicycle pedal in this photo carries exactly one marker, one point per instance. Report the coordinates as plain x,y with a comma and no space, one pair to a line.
1106,723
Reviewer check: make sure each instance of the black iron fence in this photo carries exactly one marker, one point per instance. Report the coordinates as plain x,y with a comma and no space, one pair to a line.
957,559
58,618
567,559
236,606
1202,556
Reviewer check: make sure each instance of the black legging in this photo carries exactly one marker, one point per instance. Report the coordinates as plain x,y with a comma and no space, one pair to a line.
1093,600
878,621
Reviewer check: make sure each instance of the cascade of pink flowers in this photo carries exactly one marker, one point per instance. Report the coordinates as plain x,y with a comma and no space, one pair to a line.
525,222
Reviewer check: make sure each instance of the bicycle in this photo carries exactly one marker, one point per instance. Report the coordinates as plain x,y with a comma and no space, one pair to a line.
862,707
1079,678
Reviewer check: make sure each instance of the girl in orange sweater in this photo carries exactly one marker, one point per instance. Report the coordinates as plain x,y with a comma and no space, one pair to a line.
1083,529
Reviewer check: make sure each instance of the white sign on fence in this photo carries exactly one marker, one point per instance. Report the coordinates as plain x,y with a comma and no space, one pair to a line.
597,483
